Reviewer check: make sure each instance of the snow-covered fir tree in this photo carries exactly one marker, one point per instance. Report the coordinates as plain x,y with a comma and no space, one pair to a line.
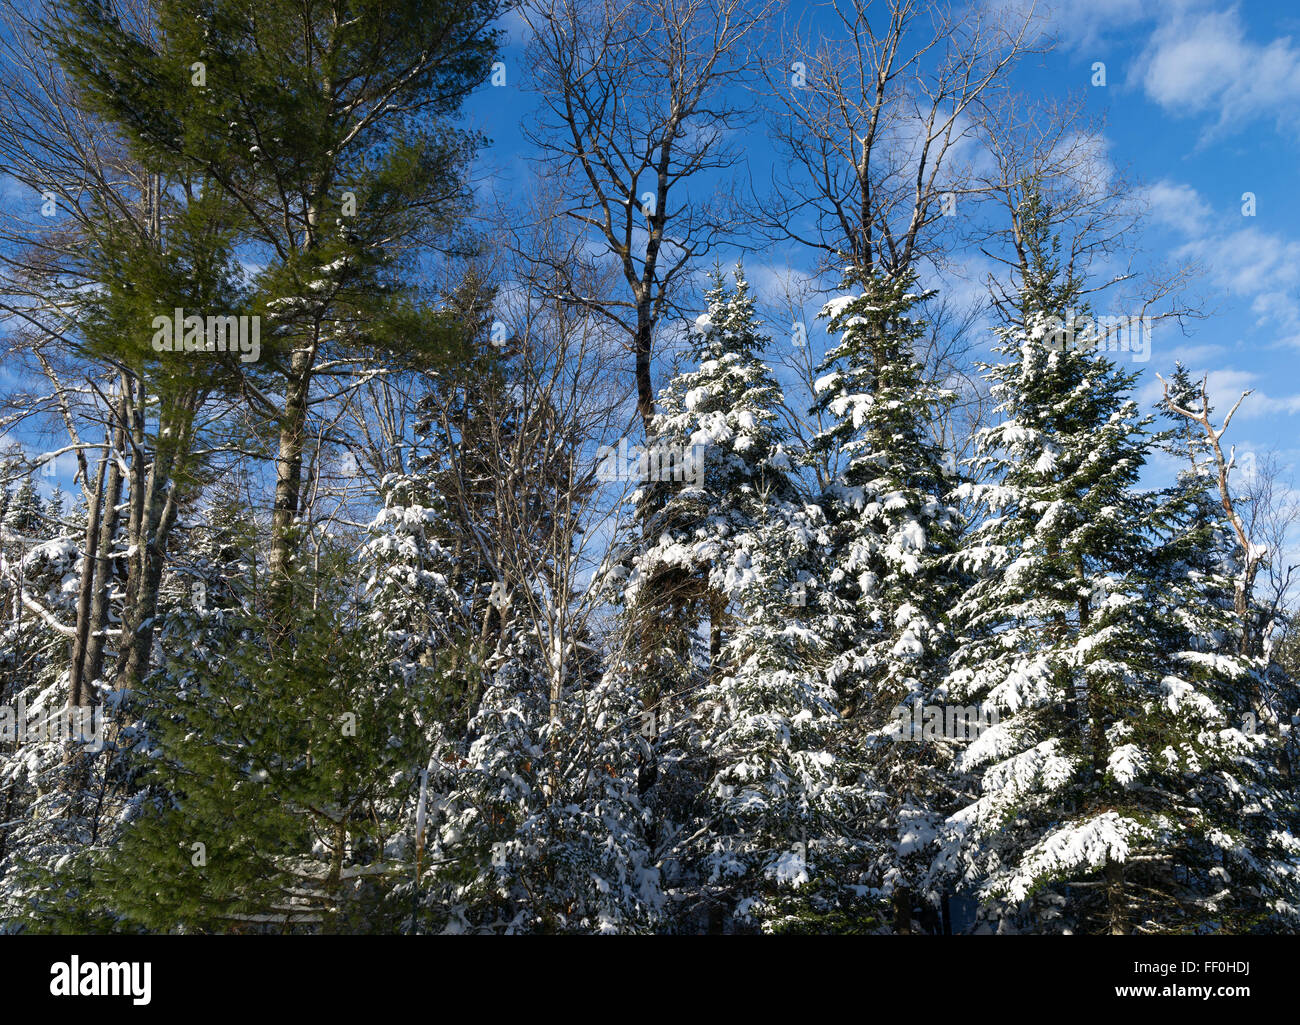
536,825
773,850
409,588
716,465
747,790
1224,769
887,579
23,512
717,475
1081,632
45,749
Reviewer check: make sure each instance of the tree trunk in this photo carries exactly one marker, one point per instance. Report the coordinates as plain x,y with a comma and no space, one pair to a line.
1118,919
153,516
288,468
717,609
903,911
641,347
102,595
139,643
86,586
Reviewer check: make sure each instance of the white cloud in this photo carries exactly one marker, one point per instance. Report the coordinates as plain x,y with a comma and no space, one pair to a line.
1177,206
1201,61
1190,355
1197,60
12,190
1251,264
1079,24
1257,266
1225,387
514,23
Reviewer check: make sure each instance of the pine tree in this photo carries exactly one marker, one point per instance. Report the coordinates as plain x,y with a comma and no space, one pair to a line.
339,153
295,812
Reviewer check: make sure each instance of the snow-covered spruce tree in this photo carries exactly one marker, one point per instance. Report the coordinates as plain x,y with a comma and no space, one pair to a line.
887,579
1234,867
1091,784
8,473
743,784
423,590
55,505
528,818
409,584
536,825
23,512
716,467
774,850
41,786
1059,530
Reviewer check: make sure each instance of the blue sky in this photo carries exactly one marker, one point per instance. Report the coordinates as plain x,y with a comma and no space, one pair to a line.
1202,101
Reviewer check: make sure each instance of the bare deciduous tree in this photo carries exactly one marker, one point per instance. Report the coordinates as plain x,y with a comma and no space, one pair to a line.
1055,151
1272,514
1254,554
877,127
636,111
78,170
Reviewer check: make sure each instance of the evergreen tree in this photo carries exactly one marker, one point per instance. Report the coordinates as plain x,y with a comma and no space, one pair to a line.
328,128
1225,760
887,582
1114,741
296,810
8,473
734,767
716,465
55,506
41,790
23,515
536,825
773,850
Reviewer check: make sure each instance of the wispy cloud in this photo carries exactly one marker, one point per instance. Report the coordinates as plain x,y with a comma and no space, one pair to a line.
1201,61
1258,266
1224,387
1178,206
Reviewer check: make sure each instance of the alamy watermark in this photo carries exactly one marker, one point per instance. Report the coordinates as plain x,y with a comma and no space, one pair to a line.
82,724
951,722
75,978
659,462
1109,334
181,333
